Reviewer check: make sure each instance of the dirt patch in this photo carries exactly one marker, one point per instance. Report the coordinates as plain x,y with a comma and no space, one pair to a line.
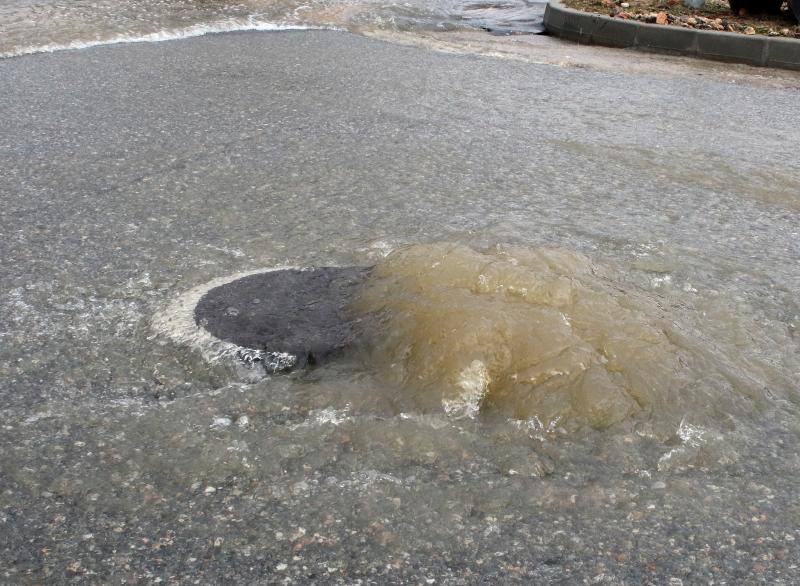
715,15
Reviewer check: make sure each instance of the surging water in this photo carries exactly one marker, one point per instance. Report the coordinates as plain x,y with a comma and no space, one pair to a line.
30,26
545,335
513,342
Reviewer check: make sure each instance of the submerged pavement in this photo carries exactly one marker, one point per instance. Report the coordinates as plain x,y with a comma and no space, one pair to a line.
129,174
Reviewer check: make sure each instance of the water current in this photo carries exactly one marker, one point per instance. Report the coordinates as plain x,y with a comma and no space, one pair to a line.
579,351
28,26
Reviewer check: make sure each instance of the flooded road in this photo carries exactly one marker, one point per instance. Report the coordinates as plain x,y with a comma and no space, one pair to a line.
33,26
132,175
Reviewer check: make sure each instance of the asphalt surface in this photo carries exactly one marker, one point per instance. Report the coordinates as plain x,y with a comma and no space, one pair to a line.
129,174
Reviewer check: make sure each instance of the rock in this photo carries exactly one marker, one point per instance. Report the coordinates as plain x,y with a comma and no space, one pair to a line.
691,21
625,5
624,15
299,487
749,30
661,18
221,422
785,32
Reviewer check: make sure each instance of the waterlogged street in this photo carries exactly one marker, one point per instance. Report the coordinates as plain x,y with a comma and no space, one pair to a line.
578,357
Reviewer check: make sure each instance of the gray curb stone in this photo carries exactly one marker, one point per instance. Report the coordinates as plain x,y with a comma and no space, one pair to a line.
588,28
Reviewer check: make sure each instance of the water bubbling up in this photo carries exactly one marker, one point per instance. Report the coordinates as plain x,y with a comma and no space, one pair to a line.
544,334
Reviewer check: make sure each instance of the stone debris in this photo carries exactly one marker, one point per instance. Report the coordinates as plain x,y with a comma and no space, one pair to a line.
625,11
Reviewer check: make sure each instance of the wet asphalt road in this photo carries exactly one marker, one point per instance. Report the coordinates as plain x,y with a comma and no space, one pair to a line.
128,173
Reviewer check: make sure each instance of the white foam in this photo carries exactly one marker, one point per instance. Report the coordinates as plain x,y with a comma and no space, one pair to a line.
691,435
474,383
176,321
329,416
196,30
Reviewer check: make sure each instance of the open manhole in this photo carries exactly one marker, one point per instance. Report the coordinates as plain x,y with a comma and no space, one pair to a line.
284,319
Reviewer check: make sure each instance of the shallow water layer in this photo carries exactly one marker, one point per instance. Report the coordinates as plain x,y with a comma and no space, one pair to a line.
129,454
29,26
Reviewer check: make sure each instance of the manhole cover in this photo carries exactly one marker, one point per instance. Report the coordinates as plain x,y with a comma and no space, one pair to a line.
287,318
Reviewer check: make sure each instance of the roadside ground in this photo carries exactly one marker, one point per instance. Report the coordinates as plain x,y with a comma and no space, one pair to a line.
715,15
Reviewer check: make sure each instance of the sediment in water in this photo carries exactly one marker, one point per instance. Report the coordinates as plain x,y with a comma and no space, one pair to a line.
541,334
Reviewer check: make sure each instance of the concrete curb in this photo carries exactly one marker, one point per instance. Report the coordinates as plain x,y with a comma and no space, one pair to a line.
596,29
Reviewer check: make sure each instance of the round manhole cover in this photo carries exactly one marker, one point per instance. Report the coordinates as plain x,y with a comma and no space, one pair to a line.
289,317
